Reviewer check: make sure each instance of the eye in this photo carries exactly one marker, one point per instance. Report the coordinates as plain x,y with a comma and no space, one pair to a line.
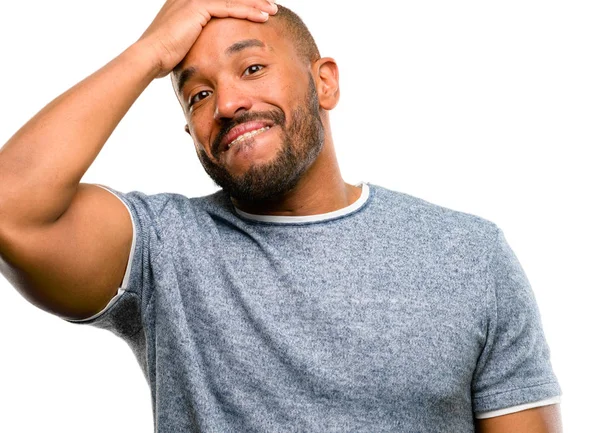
253,69
199,96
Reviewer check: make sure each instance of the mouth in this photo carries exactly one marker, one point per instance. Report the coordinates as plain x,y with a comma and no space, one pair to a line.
246,136
244,132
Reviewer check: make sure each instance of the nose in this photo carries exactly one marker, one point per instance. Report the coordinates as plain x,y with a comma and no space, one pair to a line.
231,100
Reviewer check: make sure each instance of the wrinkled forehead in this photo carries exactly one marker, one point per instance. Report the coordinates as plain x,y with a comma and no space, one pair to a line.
223,38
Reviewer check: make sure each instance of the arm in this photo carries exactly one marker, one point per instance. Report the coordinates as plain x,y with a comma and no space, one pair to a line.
514,367
544,419
64,245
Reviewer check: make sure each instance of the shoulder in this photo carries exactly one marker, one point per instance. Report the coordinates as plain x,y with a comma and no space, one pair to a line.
427,220
166,205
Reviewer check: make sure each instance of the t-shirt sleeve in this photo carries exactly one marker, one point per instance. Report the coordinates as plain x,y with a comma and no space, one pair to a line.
123,315
514,367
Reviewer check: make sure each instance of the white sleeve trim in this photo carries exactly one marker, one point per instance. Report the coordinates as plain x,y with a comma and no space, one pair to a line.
508,410
125,282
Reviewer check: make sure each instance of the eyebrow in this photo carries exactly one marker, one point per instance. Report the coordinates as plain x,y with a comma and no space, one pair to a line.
185,75
188,73
242,45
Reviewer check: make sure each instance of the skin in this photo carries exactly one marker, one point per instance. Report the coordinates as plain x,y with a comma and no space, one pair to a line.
54,247
544,419
279,84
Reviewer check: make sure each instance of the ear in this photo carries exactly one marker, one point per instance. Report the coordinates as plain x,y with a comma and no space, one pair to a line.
326,75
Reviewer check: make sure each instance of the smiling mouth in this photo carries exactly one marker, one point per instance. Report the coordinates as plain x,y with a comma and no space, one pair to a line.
247,136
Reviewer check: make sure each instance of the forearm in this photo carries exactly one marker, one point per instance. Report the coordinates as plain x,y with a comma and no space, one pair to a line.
43,163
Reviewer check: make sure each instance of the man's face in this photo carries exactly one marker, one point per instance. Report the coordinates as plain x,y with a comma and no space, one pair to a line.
252,108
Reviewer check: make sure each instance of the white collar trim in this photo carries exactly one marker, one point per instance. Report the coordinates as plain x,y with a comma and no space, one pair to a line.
311,218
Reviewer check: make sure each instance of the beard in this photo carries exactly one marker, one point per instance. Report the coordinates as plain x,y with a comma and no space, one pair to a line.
302,141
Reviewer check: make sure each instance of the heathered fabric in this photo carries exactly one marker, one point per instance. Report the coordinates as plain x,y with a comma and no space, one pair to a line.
401,316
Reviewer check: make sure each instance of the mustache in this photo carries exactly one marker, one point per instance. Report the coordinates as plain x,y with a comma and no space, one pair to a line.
275,116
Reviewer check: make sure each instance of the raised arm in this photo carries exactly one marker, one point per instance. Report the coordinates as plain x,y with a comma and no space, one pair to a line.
64,245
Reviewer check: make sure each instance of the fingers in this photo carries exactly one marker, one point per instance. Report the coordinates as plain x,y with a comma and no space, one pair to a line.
179,22
254,10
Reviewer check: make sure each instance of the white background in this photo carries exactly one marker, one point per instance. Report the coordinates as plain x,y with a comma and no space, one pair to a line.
487,108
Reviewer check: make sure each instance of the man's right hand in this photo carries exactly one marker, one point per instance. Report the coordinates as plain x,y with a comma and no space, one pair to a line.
179,23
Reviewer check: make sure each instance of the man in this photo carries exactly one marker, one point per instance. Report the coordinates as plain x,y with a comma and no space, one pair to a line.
289,300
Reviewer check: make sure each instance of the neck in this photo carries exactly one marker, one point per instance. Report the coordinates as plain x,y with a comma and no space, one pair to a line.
320,190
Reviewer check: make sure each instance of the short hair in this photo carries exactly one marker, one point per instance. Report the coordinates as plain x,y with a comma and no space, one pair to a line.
296,30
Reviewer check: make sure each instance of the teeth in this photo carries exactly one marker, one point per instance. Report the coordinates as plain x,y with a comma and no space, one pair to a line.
247,135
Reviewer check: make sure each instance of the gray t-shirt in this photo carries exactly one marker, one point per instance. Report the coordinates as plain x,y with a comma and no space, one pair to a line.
394,314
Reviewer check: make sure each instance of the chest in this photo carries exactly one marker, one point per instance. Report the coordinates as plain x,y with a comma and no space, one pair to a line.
354,320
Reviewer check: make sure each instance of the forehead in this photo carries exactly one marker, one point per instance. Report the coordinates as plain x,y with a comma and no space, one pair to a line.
219,39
